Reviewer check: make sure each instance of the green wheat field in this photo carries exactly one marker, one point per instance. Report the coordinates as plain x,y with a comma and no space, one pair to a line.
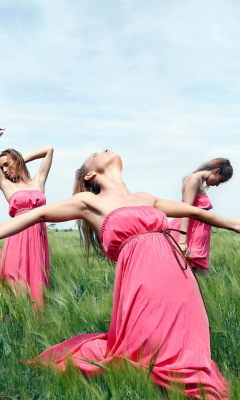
80,301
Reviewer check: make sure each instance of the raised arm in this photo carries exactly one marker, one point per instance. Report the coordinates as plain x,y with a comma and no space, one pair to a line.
179,210
191,188
2,180
66,210
47,154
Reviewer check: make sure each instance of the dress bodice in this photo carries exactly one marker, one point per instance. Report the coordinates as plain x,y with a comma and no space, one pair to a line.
125,222
203,202
25,199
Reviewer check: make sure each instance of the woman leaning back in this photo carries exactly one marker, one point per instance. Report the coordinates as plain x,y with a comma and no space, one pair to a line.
24,259
158,312
197,241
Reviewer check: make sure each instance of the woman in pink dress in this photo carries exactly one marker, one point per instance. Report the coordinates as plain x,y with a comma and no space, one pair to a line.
159,321
197,241
24,259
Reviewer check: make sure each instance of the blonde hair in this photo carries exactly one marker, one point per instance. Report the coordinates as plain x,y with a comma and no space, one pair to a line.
223,164
22,172
87,235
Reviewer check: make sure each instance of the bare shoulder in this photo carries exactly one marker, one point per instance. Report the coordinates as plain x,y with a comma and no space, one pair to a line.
146,197
86,199
192,180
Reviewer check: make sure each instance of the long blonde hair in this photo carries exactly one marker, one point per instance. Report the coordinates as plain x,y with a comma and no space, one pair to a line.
87,235
22,172
223,164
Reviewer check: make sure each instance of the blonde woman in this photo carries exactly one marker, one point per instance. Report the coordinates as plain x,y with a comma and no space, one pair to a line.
197,241
24,259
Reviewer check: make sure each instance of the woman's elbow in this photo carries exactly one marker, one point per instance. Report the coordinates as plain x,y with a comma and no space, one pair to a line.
195,213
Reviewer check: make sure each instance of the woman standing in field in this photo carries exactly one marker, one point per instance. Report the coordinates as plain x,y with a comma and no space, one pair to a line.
24,258
159,321
197,240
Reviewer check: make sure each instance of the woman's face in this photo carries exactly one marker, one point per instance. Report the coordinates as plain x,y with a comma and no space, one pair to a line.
99,162
8,166
215,178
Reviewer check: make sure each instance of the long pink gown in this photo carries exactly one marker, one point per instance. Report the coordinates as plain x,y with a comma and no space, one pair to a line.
24,258
199,235
158,311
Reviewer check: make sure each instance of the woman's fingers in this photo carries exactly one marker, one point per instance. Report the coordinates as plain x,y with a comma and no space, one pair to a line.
183,247
2,131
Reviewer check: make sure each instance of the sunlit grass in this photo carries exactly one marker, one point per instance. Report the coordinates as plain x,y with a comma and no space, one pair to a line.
80,301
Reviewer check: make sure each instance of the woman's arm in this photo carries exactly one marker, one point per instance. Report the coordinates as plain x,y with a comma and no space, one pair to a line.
61,211
191,188
47,154
179,210
2,179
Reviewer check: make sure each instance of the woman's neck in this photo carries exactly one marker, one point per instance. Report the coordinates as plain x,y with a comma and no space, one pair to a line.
112,184
204,175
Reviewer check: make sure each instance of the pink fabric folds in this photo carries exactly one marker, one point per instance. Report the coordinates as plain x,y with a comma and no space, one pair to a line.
24,258
158,313
199,235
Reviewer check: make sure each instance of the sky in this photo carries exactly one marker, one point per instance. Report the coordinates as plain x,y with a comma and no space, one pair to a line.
156,81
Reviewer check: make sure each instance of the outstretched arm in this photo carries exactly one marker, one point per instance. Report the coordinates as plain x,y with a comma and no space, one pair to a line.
179,210
66,210
47,154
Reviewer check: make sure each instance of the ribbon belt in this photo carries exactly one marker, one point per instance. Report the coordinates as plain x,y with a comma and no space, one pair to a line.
173,243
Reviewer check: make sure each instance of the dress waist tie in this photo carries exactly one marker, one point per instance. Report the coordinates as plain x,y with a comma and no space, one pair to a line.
173,243
177,252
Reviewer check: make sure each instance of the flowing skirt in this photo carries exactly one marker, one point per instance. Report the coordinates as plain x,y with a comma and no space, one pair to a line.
158,317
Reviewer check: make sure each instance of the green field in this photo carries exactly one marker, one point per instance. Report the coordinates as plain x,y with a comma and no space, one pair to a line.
80,301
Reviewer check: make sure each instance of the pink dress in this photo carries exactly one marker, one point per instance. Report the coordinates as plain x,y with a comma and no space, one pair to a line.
158,313
24,258
199,234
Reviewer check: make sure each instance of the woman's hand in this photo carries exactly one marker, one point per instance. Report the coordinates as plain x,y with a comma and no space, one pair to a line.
183,242
236,225
183,246
2,131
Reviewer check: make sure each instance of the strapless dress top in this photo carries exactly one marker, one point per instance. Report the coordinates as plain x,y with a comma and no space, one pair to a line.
203,202
25,199
125,222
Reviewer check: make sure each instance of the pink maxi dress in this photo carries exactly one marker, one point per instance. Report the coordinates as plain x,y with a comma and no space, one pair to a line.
24,258
158,312
199,235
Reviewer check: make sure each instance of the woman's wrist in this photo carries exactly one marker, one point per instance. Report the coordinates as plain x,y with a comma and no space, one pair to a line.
234,225
183,239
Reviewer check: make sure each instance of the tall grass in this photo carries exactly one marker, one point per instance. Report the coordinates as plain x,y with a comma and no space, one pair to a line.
80,301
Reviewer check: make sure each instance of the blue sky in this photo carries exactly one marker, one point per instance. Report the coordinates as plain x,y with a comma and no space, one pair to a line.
157,81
